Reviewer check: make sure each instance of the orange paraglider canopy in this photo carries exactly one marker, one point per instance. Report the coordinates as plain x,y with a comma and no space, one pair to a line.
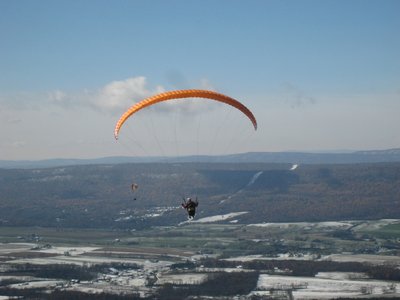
179,94
134,186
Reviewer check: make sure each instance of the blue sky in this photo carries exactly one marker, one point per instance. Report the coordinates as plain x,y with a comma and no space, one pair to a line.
318,75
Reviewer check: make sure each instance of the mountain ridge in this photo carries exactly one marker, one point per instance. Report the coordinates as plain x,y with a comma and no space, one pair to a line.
298,157
100,196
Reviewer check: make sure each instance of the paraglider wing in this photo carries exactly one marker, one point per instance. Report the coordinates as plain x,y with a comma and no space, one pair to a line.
134,187
178,94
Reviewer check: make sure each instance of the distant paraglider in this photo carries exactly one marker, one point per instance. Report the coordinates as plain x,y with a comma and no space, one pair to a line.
134,188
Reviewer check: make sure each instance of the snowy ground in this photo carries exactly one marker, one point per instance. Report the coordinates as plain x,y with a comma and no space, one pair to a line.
342,275
375,224
363,258
324,288
356,225
186,278
216,218
114,282
341,225
91,260
325,285
15,247
37,284
219,217
369,258
282,256
72,251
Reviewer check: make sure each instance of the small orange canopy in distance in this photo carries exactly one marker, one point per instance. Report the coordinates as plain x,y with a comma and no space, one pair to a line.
181,94
134,186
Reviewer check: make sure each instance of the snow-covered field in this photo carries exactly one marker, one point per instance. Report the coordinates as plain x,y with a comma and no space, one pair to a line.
91,260
363,258
341,225
342,275
112,281
70,251
218,218
152,213
368,258
15,247
186,278
356,225
37,284
155,272
375,224
324,288
282,256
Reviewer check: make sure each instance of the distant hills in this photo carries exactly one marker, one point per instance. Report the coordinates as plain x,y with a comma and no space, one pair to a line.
371,156
100,195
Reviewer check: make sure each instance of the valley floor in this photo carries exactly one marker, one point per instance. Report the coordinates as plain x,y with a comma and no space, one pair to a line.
145,263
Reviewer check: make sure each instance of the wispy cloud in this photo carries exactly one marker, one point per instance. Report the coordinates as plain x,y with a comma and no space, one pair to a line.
296,97
113,98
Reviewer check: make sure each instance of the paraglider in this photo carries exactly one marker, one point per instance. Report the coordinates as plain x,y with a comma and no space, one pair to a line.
183,94
187,204
190,206
134,187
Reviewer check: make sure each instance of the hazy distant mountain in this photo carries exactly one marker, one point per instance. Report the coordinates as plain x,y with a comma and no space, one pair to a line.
48,163
372,156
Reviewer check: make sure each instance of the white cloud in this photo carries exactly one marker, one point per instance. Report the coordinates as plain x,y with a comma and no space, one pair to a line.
119,95
115,97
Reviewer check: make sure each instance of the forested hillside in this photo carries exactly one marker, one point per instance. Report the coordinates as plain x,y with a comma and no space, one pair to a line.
101,195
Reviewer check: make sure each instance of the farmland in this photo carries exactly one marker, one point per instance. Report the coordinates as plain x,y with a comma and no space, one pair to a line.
304,260
262,231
